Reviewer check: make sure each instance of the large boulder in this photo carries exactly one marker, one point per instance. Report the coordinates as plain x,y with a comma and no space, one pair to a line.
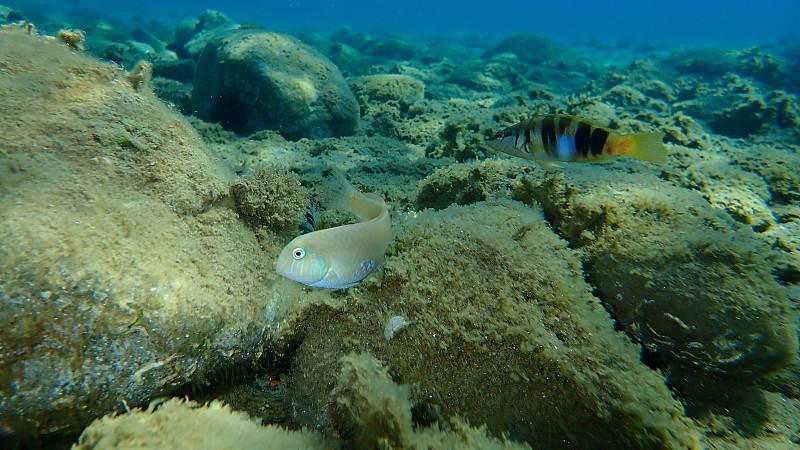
191,36
251,80
498,327
125,272
690,283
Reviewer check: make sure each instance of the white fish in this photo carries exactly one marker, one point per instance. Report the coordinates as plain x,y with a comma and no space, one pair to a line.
339,257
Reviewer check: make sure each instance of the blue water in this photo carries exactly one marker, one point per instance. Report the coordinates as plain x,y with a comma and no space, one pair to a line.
700,22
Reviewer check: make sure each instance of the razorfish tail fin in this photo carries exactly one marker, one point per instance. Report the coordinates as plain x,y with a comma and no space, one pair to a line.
648,146
338,191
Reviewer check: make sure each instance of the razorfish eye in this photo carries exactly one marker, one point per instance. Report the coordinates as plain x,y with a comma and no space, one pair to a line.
299,253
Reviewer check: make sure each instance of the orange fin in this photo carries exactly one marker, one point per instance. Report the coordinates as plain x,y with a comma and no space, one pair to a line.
645,146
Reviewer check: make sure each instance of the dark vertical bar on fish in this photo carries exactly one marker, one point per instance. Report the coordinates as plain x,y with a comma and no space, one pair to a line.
598,141
526,147
549,134
583,138
562,124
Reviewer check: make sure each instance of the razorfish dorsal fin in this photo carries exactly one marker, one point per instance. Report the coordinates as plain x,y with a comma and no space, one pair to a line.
309,223
338,191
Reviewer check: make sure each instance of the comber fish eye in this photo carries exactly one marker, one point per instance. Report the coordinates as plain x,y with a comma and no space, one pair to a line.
498,135
298,253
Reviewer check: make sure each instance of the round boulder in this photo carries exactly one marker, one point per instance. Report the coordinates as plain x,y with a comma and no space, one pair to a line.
251,80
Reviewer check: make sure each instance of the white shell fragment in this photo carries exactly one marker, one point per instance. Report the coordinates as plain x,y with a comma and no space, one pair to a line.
394,325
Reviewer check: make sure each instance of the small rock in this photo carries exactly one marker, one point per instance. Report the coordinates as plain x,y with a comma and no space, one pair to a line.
394,326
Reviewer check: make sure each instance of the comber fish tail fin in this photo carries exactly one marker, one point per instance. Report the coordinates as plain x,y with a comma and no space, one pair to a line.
645,146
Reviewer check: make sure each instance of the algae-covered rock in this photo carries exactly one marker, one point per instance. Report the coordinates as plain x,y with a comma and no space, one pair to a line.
389,48
465,184
504,332
459,138
251,80
374,412
271,198
192,36
693,285
686,280
778,167
741,116
403,89
123,273
714,63
177,424
737,107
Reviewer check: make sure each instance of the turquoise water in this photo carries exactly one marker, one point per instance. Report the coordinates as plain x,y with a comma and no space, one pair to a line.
718,22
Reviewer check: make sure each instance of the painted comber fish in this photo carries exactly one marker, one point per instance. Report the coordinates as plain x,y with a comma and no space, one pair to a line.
552,138
339,257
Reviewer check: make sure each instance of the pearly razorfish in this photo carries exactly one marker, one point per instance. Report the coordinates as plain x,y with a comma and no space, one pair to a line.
553,138
339,257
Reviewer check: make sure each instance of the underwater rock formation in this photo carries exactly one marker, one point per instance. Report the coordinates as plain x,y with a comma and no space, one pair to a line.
528,47
389,48
514,339
251,80
374,412
388,102
124,274
371,412
690,283
270,198
716,63
184,425
403,89
192,35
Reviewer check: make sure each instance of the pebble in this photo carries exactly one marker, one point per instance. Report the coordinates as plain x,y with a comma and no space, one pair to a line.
393,326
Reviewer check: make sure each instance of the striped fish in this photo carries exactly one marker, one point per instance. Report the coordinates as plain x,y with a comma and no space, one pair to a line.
553,138
340,257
